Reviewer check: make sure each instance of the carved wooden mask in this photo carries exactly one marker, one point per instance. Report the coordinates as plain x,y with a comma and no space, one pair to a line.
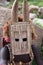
20,38
20,31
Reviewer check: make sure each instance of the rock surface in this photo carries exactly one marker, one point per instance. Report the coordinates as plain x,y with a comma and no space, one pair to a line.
38,21
38,30
40,10
33,7
5,14
32,16
3,2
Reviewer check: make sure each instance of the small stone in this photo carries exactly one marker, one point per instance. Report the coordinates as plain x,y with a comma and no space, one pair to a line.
40,10
33,7
32,16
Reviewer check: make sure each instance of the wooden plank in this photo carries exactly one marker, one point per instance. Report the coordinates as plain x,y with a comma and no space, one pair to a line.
20,38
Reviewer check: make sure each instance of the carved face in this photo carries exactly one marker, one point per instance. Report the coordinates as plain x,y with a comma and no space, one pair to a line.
20,38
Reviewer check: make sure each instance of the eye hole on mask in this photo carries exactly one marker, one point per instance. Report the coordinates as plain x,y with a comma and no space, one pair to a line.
17,40
24,39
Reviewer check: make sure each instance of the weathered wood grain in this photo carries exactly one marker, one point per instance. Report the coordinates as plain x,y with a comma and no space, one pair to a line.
20,31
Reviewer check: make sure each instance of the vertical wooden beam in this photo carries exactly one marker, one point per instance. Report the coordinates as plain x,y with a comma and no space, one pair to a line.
25,11
14,11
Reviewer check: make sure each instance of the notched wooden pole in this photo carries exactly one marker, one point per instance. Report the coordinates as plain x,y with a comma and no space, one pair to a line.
14,11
